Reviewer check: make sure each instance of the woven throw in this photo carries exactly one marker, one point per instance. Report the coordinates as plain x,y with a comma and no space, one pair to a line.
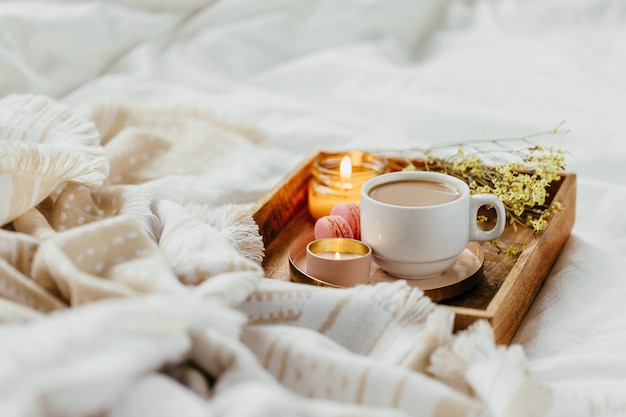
127,290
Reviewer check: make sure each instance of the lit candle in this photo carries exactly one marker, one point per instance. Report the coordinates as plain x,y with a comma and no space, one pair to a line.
337,178
345,171
337,255
340,262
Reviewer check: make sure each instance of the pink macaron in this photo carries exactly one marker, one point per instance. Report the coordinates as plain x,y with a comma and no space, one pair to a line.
351,212
332,226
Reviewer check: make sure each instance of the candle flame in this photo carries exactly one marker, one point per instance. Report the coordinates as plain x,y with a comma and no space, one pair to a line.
337,256
345,168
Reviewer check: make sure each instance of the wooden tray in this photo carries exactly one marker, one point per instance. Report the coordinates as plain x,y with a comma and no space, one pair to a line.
502,297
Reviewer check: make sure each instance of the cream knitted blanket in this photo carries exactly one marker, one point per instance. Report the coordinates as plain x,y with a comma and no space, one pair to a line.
126,290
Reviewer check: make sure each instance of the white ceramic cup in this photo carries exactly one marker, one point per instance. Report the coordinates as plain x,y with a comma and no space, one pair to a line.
423,240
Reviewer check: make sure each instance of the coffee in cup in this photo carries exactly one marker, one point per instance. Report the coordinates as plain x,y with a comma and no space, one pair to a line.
418,222
415,193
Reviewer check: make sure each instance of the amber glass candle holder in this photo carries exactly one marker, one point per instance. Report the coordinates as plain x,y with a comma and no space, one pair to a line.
338,177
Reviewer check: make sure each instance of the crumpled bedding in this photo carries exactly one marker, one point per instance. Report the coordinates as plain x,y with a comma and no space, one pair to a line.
269,83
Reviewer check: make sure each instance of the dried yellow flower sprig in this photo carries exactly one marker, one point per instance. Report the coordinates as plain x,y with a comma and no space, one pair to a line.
512,251
518,171
523,187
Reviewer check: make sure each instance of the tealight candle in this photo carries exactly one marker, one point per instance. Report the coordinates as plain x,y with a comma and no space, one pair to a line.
338,177
337,255
339,261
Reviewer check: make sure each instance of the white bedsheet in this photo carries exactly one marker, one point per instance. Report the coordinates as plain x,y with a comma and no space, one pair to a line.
371,74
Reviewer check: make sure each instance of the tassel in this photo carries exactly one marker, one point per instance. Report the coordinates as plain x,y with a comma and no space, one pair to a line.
242,229
235,224
437,332
450,362
407,304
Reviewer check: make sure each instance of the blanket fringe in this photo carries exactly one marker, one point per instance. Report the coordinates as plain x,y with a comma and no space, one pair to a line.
408,304
37,171
235,224
477,344
449,362
30,115
89,167
437,332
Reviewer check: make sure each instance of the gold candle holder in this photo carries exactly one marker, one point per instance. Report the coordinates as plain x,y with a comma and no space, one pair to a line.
338,177
338,261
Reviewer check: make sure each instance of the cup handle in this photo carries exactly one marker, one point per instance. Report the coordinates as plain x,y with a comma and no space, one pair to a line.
476,202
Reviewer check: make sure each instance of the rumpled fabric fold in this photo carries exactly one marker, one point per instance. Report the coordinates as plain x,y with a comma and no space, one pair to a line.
131,291
43,145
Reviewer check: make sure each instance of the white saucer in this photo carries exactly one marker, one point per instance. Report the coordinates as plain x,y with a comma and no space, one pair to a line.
462,276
